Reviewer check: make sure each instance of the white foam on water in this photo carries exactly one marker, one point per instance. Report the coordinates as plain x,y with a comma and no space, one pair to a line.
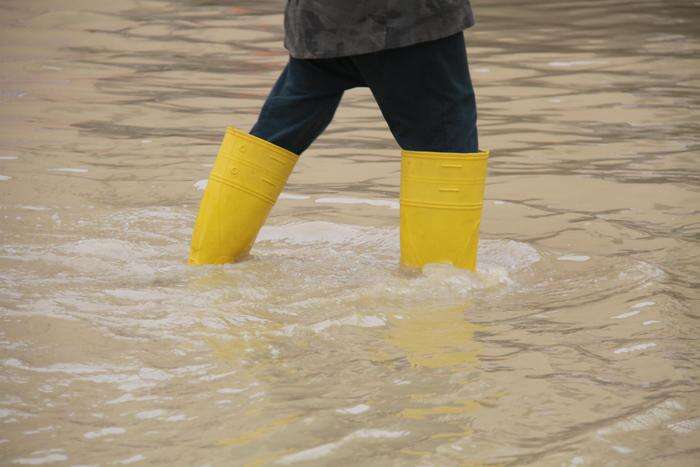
635,348
635,310
4,413
150,414
627,314
109,248
180,417
69,169
38,430
145,378
576,258
200,185
313,232
217,377
325,449
137,295
622,449
685,426
354,320
128,397
8,158
69,368
358,409
372,202
134,286
508,254
362,263
230,390
47,457
648,419
4,178
570,63
33,208
651,321
111,430
132,459
309,454
285,195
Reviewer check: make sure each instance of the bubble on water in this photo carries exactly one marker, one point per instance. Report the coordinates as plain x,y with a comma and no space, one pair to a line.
200,185
4,177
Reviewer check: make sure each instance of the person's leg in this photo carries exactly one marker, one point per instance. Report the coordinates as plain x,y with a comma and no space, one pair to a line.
251,170
425,94
426,97
303,101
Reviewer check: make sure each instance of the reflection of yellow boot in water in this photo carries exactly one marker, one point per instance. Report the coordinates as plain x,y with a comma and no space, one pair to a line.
248,176
434,338
441,199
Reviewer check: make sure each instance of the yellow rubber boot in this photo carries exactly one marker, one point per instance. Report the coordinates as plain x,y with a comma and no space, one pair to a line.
441,199
248,176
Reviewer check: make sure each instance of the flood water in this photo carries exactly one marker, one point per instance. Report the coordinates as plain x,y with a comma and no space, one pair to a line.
574,344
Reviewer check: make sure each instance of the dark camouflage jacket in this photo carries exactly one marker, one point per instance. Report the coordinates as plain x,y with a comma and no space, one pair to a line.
335,28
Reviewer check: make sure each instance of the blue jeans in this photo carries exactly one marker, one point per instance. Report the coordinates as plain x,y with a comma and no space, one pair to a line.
424,92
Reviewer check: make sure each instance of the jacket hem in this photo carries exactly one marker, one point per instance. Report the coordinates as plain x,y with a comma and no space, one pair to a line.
417,39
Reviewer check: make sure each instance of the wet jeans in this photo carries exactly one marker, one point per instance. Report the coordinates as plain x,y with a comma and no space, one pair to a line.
424,92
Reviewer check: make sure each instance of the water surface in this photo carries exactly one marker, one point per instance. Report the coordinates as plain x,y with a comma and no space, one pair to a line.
574,344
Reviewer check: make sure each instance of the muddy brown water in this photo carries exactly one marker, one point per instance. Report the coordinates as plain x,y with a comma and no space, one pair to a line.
575,343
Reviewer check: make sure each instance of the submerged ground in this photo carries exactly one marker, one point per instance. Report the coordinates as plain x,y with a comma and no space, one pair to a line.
575,344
